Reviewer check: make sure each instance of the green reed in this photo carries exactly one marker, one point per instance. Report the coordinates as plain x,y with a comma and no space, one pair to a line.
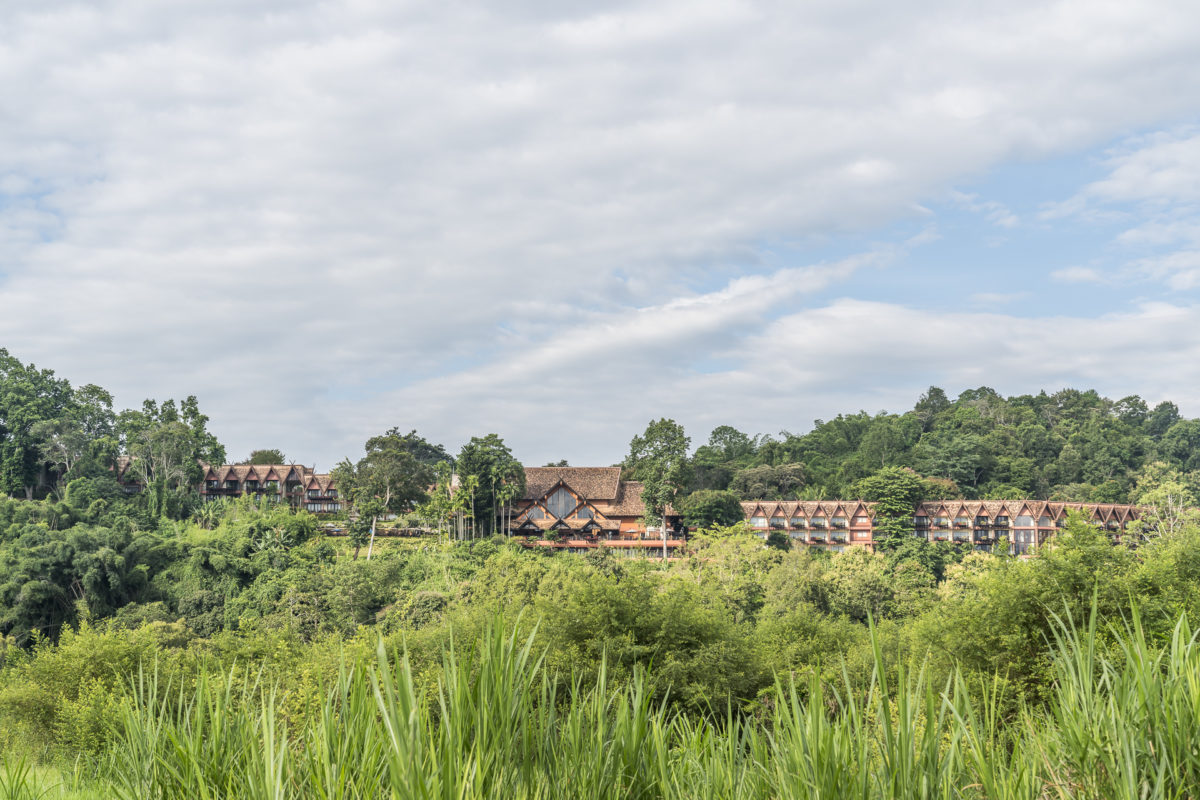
1125,724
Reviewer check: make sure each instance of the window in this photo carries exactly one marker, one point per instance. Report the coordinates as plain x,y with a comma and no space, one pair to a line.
560,503
537,513
212,484
921,522
333,506
758,522
314,493
778,522
584,513
331,493
981,521
1002,521
818,522
839,522
1024,521
1044,522
312,506
860,521
232,485
798,522
962,522
942,522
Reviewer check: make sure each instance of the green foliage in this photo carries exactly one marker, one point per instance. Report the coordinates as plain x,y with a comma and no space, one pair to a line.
709,507
495,477
269,456
658,458
1070,445
896,492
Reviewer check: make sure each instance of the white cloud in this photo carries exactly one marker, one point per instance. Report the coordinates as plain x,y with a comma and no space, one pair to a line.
997,298
1152,191
299,209
1077,275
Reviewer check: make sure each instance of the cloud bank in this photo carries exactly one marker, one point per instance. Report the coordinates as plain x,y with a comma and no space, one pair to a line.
328,218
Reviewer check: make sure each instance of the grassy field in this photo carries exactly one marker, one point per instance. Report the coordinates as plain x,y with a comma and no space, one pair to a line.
1121,724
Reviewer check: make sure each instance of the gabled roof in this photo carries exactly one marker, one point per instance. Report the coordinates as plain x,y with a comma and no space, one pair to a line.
592,483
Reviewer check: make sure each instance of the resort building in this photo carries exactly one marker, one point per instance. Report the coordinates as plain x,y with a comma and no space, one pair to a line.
1025,524
292,483
584,508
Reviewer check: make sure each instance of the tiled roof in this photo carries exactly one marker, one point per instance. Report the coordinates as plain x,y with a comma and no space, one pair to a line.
628,502
594,483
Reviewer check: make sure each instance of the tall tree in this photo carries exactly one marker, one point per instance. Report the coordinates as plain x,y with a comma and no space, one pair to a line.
492,463
659,459
391,478
896,491
28,396
169,442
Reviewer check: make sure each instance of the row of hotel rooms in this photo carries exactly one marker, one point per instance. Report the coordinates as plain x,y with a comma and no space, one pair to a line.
1023,523
584,508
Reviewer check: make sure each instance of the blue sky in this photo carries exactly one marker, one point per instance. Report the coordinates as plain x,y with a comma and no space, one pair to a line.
557,221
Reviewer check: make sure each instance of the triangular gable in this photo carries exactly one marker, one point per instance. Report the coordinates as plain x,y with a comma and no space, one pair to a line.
272,475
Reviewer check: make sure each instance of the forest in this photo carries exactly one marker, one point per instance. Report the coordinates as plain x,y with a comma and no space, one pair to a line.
154,646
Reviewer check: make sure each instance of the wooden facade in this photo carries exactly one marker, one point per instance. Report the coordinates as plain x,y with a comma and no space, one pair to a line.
292,483
1025,524
585,508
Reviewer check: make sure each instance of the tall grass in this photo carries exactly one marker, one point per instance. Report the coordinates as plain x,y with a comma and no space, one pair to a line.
499,725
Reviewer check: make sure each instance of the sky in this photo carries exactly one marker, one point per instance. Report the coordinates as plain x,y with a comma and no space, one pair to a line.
558,221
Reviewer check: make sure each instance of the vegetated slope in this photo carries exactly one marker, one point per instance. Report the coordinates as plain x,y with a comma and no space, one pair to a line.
1071,445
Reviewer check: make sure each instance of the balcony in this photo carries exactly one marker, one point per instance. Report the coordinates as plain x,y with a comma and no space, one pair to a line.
962,536
818,536
839,537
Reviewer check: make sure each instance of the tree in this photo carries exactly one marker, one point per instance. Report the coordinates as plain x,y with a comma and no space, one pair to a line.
895,491
271,456
28,396
659,459
390,479
710,507
783,482
1169,503
168,442
490,461
731,443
